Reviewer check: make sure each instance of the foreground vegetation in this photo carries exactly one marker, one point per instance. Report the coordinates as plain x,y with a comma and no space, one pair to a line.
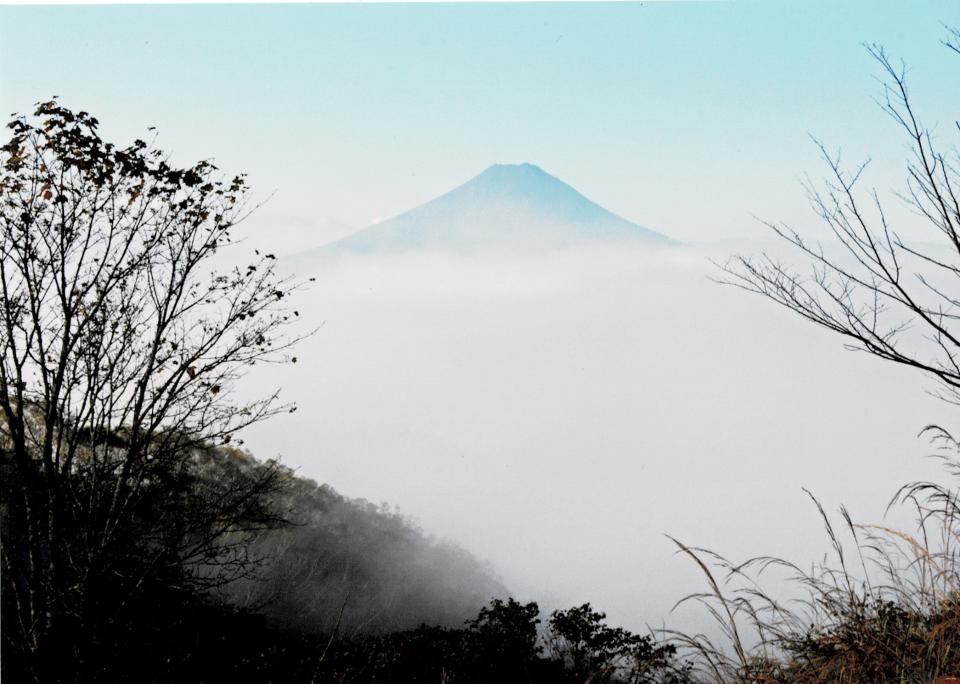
886,608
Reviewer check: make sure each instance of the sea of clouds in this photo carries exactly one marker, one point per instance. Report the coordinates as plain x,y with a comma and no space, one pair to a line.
559,414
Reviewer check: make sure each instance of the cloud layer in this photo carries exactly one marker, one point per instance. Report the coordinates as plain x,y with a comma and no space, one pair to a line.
557,415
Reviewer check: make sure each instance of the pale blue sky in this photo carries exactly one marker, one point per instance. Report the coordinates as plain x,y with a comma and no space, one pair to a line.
686,117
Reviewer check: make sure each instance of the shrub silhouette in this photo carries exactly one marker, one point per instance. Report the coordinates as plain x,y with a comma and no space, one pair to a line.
592,651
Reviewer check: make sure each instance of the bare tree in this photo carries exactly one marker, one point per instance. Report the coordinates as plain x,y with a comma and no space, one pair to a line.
121,349
891,290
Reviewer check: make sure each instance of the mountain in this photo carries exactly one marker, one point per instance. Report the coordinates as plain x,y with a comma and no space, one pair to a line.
507,207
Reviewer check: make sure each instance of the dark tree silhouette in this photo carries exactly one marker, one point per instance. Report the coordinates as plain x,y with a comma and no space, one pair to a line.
120,350
891,291
593,651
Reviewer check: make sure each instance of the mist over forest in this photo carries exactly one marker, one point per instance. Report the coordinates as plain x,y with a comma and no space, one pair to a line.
347,564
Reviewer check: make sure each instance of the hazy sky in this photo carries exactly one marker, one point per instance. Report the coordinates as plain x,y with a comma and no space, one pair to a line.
685,117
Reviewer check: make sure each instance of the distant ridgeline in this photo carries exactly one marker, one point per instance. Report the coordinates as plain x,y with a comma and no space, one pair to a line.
346,564
507,208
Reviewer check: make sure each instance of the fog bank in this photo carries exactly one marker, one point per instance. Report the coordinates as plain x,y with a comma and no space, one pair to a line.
558,414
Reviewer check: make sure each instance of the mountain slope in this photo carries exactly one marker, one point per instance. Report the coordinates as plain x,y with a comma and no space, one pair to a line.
507,207
351,565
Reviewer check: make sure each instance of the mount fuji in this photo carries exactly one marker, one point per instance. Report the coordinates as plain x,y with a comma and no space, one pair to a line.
508,207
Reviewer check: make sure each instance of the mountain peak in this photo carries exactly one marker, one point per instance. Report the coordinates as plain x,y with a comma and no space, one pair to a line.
507,207
514,173
514,169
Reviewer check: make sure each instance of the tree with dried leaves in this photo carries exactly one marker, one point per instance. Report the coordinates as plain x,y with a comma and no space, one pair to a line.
121,348
891,289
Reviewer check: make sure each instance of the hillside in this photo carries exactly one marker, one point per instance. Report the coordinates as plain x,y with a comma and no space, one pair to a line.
363,566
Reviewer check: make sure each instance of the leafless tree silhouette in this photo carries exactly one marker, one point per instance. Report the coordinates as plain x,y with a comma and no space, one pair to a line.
891,291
